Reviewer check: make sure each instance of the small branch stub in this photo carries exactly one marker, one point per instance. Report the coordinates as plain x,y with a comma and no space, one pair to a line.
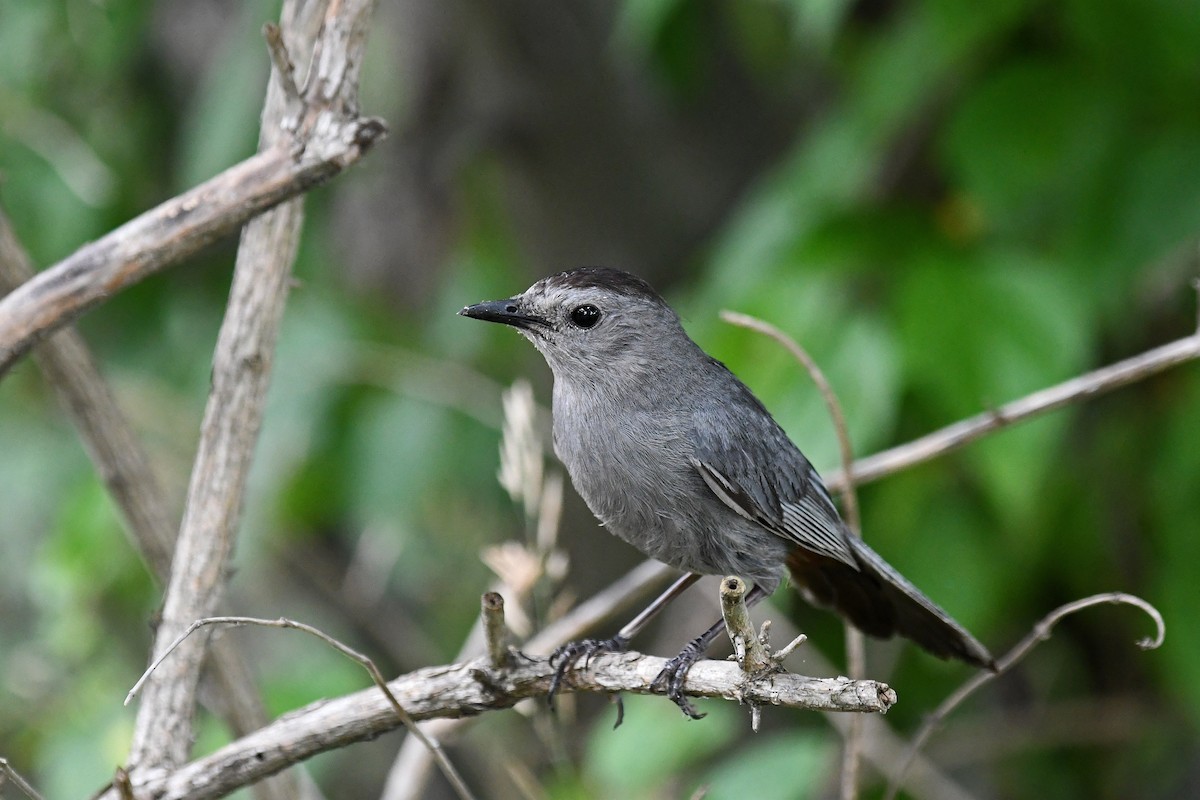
752,655
495,631
285,70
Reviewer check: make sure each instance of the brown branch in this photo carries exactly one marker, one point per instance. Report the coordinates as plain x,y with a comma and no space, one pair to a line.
114,449
324,129
471,688
332,140
1040,633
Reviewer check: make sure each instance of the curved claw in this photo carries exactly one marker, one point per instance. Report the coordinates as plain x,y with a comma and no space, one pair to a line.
566,657
671,679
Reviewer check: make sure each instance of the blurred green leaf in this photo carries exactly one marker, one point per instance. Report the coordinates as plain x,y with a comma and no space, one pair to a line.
1176,543
1029,332
1160,199
1031,141
789,766
641,22
654,745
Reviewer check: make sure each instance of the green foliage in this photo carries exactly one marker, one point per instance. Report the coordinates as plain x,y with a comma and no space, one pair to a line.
790,766
638,761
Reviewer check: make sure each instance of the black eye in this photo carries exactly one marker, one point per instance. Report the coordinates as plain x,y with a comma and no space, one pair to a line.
585,316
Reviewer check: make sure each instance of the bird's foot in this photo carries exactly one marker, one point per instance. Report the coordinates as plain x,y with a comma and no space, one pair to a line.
670,680
566,657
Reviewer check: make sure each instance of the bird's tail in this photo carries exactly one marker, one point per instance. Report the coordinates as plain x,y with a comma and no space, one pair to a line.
879,601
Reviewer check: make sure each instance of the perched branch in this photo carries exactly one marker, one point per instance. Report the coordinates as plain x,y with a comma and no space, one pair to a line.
472,688
323,129
407,776
1040,633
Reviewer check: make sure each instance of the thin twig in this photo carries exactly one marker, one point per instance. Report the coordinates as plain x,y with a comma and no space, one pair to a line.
285,70
376,676
963,432
846,451
749,648
122,784
8,773
1040,633
856,655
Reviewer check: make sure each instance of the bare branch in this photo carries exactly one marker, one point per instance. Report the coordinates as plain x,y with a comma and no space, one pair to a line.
965,431
472,688
1040,633
69,369
331,141
241,369
285,70
407,776
376,676
7,773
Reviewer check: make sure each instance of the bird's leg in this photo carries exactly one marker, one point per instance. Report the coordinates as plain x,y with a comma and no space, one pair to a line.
566,657
675,671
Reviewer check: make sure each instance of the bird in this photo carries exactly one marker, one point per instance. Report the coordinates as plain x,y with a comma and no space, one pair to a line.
677,457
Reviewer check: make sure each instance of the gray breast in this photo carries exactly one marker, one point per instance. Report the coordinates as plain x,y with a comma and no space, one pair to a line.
635,474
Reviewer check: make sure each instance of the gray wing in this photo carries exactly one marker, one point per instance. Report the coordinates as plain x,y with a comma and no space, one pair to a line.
751,465
748,462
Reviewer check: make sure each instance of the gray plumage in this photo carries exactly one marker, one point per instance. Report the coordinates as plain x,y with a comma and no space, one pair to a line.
678,458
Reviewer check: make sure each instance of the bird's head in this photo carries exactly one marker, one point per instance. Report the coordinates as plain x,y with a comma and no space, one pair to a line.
592,320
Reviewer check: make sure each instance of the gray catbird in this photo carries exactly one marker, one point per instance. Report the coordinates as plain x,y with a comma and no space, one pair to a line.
678,458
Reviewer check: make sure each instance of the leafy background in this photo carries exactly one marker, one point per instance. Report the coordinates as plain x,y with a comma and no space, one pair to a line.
949,203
